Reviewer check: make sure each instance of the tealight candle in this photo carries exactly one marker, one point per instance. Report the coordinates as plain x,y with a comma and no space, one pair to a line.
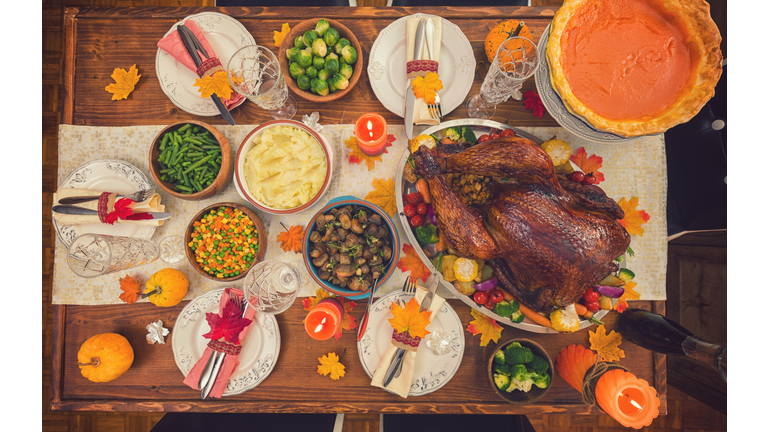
371,134
629,400
324,320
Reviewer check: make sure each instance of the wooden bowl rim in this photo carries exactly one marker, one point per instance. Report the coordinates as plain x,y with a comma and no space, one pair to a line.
308,95
240,157
260,229
532,345
226,155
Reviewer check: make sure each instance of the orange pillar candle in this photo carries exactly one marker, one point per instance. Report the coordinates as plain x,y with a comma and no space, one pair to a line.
371,134
324,320
628,399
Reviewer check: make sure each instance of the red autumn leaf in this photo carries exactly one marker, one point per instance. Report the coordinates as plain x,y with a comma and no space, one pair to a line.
533,103
356,156
590,164
411,263
130,288
348,321
228,325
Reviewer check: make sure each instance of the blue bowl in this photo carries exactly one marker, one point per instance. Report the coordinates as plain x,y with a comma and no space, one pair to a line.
346,292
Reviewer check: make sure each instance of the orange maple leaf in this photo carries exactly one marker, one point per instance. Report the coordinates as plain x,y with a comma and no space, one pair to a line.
426,87
411,262
125,81
629,292
311,302
410,319
356,156
347,321
383,195
590,164
488,328
607,347
280,35
292,239
633,218
130,288
217,83
330,364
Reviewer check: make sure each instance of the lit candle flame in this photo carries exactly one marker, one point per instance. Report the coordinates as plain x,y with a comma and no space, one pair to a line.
320,327
632,401
370,128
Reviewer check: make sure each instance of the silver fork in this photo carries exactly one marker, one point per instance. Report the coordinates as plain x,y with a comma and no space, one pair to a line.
137,196
435,109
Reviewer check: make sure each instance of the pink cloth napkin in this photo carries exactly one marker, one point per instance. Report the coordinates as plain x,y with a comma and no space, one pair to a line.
230,361
173,45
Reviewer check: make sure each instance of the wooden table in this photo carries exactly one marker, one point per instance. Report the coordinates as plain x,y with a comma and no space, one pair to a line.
101,39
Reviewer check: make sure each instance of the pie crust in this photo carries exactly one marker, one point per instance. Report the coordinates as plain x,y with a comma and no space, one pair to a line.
611,98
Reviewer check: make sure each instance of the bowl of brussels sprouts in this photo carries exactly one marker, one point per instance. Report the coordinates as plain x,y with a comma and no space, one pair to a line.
321,60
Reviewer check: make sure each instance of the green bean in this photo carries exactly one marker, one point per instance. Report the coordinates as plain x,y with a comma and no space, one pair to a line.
197,164
183,188
164,142
184,128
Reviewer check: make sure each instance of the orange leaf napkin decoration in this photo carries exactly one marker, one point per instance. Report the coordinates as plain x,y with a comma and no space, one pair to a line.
383,195
633,218
411,262
329,364
629,292
410,319
488,328
607,347
591,164
280,35
125,81
356,156
217,83
426,87
292,239
130,288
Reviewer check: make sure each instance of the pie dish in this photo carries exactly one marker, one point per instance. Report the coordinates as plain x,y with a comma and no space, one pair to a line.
634,67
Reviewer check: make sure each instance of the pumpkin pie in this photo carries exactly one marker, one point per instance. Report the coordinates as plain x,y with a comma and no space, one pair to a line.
634,67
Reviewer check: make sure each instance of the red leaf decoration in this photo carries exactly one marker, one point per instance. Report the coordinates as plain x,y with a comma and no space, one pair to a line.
589,164
533,103
228,325
348,321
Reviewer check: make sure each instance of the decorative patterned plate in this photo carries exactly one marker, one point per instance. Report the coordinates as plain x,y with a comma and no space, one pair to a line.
555,107
260,348
105,175
431,371
386,66
226,35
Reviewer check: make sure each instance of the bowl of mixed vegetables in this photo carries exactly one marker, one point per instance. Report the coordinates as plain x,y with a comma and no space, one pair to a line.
520,371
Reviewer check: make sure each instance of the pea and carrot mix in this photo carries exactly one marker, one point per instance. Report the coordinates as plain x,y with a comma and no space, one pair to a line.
225,242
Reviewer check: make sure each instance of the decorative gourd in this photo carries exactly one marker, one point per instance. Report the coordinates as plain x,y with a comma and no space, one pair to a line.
167,287
104,357
500,33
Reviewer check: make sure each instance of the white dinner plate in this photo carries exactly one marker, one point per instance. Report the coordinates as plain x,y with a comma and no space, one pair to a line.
431,371
105,175
261,346
387,73
226,35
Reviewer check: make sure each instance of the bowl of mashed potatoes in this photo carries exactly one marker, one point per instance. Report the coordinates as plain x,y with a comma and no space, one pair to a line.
283,167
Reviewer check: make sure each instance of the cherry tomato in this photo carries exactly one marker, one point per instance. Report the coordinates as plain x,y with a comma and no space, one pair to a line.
483,138
589,179
489,304
576,176
480,297
409,210
593,306
415,198
494,135
497,296
591,295
507,133
422,209
417,220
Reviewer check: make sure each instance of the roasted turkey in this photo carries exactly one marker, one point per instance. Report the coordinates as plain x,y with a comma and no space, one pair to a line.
547,239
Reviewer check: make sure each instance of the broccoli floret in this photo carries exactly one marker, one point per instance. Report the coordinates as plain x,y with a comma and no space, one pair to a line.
499,357
453,134
538,364
467,135
516,354
541,380
521,378
502,368
502,381
505,308
517,317
626,275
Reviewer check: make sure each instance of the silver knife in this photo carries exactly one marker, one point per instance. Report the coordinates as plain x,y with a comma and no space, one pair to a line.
430,35
410,98
191,43
74,210
214,374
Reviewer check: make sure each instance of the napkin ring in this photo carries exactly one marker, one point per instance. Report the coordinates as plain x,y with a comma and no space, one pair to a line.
209,67
405,341
110,209
420,67
225,347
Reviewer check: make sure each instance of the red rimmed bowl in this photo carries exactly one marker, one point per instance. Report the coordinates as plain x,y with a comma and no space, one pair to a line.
312,226
239,177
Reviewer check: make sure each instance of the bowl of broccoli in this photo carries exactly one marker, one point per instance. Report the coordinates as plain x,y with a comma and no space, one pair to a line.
520,371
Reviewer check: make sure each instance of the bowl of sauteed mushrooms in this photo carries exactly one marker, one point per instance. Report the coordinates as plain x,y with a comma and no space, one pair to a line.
348,244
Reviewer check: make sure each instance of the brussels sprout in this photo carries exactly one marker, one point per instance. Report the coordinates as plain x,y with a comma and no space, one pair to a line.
346,70
304,59
318,63
303,81
332,66
319,87
323,74
322,27
311,72
331,37
309,37
319,48
296,70
340,45
290,53
349,54
338,82
332,56
299,42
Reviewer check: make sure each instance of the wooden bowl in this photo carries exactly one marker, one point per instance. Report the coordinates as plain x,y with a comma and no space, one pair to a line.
300,29
519,396
260,229
222,178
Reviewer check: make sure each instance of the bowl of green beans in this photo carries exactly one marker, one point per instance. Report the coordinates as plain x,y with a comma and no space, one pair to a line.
191,160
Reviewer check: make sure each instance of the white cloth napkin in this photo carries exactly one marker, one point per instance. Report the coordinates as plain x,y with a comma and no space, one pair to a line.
422,116
152,204
402,384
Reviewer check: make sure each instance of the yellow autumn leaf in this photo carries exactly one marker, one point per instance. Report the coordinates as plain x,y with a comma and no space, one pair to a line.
383,195
426,87
488,328
410,319
634,219
280,35
217,83
329,364
607,347
125,81
629,293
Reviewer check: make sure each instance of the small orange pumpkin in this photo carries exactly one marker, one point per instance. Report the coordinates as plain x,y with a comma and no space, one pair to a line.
500,33
104,357
167,287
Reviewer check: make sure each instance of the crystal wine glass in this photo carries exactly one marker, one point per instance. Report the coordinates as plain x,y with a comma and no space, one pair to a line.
272,286
516,60
254,72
